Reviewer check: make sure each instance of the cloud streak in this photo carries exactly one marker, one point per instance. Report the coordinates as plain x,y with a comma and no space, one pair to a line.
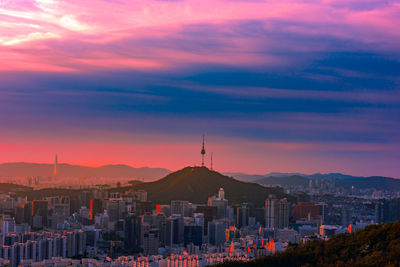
158,34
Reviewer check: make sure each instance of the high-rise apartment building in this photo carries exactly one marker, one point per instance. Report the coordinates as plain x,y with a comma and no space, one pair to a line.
271,212
277,212
220,203
132,232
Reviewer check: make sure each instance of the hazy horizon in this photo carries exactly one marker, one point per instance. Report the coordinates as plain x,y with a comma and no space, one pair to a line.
198,165
288,86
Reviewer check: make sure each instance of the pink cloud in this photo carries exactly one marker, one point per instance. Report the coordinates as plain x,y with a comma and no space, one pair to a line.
27,25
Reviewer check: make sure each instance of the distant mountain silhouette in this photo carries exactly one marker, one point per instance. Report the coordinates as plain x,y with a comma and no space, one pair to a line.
253,177
283,174
292,180
22,169
196,184
346,181
338,176
244,176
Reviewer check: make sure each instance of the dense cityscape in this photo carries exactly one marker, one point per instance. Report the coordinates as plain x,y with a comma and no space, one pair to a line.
119,226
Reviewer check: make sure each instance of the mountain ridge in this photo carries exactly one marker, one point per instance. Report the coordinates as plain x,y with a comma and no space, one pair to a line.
27,169
252,177
196,184
346,181
373,182
65,170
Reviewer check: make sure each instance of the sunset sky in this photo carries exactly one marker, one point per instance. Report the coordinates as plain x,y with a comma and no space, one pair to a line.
291,86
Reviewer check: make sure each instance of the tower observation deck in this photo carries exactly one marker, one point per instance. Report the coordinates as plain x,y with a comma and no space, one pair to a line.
203,152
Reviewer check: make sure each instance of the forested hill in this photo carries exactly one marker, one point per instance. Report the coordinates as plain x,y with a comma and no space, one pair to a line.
196,184
376,245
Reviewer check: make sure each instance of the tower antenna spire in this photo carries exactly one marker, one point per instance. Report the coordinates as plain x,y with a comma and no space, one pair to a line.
203,152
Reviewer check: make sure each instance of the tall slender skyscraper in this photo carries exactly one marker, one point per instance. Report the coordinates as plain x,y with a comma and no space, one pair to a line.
271,212
203,152
55,167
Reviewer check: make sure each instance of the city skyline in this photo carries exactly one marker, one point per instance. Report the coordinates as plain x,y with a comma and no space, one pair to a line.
187,133
294,86
204,161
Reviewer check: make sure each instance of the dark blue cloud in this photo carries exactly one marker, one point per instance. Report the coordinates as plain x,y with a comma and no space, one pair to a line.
187,99
326,77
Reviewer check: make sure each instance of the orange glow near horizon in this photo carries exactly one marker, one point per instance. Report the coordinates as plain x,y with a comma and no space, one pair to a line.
276,86
174,155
